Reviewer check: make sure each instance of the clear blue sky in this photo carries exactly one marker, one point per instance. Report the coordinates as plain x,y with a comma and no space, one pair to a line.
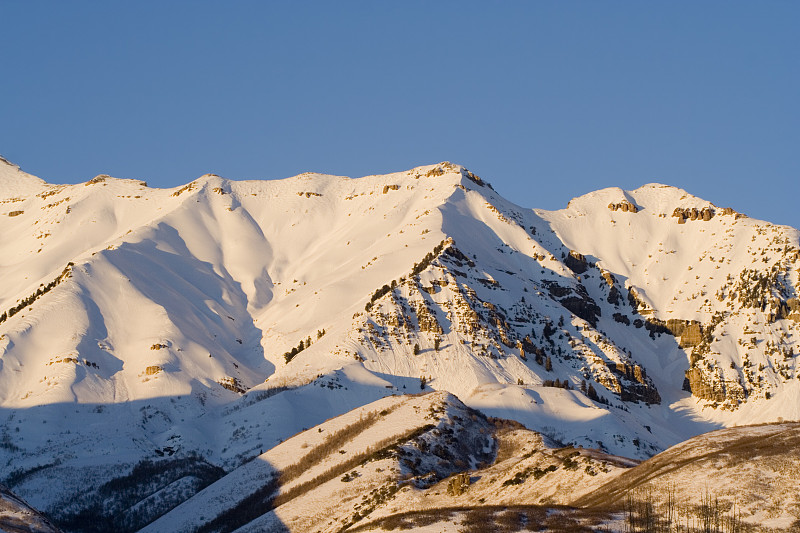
546,100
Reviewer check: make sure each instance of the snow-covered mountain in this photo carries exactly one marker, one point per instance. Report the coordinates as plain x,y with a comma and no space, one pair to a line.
154,340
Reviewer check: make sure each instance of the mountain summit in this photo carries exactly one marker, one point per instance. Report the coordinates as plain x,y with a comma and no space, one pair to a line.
195,328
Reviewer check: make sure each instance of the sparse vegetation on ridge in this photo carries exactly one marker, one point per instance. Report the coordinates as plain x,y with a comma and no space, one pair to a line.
41,291
415,271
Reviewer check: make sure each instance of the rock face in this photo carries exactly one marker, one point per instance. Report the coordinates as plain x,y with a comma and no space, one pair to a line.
637,303
232,384
577,300
583,306
692,213
635,386
576,262
699,385
624,206
689,332
458,484
789,309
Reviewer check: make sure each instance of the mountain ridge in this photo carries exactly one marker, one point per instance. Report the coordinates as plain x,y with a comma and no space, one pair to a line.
215,319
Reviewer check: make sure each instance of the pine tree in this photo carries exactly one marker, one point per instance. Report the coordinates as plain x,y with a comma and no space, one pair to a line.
548,364
416,349
592,394
422,382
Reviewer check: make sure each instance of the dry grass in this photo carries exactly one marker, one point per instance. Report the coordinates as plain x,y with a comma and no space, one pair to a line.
729,451
494,519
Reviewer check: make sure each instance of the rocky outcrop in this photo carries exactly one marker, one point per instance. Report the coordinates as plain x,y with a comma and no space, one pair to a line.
700,386
457,257
498,320
581,305
232,384
458,484
624,206
426,318
688,332
634,385
556,290
622,319
692,213
729,211
474,178
576,262
614,296
577,301
640,393
637,303
789,309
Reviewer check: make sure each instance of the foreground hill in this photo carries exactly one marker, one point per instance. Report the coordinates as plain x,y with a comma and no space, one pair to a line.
750,472
153,341
429,463
16,516
395,455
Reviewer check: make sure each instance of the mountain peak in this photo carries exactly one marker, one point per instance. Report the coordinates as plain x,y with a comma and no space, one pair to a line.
15,183
654,198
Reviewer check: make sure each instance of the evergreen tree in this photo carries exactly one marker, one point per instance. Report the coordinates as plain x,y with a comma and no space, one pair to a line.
548,364
592,394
